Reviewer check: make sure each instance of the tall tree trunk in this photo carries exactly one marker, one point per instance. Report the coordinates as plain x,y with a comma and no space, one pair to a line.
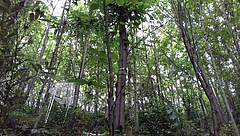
141,87
217,96
54,57
178,95
158,69
80,76
180,15
230,29
53,61
215,69
152,90
129,89
136,103
110,93
234,59
99,73
30,84
119,112
173,94
205,113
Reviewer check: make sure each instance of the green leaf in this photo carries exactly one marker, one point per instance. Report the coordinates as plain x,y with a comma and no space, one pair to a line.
3,8
134,1
120,2
81,82
148,34
31,16
16,9
78,81
153,41
176,123
92,50
148,45
155,17
93,60
94,6
88,96
97,84
109,1
5,131
143,49
71,80
75,110
155,37
47,20
46,108
102,53
114,56
103,61
150,16
122,23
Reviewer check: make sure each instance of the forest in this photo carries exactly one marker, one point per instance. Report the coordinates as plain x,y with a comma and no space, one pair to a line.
119,67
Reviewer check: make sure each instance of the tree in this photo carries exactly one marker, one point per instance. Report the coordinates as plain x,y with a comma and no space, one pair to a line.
180,56
110,93
216,72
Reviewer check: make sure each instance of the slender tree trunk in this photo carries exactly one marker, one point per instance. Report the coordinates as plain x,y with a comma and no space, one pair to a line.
136,103
54,57
53,61
152,93
140,76
230,53
187,103
203,110
173,94
158,69
97,91
160,94
129,89
30,84
216,72
230,29
178,95
217,97
80,76
110,93
180,14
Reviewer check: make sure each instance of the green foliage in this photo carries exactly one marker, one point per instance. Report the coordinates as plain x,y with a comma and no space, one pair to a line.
156,120
227,129
57,120
87,82
89,122
22,27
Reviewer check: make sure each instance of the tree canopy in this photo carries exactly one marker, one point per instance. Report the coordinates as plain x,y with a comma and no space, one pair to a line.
114,67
